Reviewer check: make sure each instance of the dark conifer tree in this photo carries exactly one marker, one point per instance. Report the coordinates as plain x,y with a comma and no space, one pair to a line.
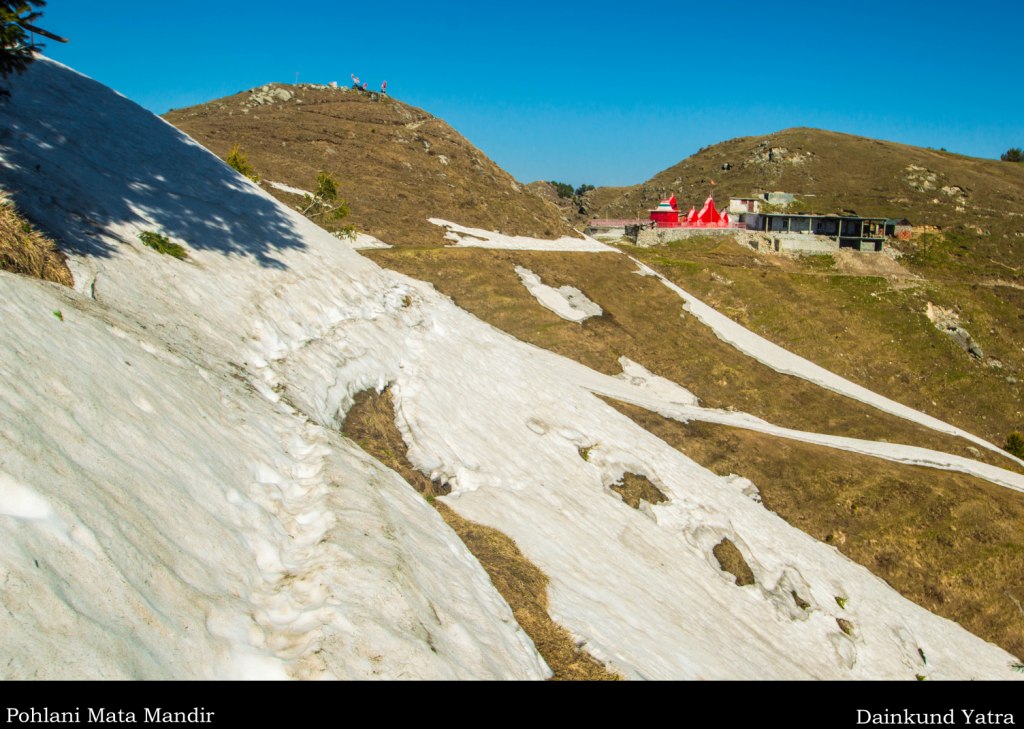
16,34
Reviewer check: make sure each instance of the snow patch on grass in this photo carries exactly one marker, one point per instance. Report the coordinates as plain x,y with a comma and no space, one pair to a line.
786,362
466,237
289,189
657,387
364,241
567,301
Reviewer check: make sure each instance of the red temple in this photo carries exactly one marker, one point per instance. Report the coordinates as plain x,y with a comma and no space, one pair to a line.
666,215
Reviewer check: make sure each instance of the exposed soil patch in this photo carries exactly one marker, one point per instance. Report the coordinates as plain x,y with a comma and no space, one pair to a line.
524,588
370,422
634,488
731,560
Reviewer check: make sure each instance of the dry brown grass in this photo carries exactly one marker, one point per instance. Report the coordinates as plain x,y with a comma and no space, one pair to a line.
869,176
947,541
634,488
643,321
371,423
524,588
732,561
868,328
395,164
25,250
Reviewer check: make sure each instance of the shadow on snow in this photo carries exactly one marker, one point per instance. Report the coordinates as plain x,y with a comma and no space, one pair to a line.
78,157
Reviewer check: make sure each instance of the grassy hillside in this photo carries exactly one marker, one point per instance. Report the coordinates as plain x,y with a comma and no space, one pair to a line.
396,165
865,316
977,203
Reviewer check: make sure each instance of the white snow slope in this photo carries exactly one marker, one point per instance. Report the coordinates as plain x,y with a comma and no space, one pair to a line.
175,500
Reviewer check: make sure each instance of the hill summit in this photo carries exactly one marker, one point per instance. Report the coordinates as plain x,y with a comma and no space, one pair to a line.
395,164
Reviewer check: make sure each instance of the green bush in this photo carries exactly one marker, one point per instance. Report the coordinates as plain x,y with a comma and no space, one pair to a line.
161,244
1015,444
237,161
564,189
1013,154
583,189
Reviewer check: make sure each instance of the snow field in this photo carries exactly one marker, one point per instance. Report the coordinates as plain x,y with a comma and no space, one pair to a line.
235,533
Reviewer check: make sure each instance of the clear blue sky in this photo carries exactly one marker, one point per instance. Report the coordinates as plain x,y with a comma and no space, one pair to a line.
606,93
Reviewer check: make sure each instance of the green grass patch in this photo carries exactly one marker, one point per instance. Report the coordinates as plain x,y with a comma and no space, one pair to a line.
162,244
689,267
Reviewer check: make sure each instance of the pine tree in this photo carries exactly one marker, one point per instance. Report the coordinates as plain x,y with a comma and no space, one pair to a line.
324,202
324,207
16,45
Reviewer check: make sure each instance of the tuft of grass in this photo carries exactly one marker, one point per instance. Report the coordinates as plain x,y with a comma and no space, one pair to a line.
58,314
25,250
845,625
162,244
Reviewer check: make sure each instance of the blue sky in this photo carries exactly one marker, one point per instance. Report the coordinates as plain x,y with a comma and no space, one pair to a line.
587,92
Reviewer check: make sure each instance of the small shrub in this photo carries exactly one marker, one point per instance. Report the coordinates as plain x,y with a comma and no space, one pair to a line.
161,244
841,602
1013,154
324,205
583,189
1015,444
237,161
